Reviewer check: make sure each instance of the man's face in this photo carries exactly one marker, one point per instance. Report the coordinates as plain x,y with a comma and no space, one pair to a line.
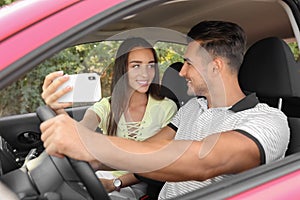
196,69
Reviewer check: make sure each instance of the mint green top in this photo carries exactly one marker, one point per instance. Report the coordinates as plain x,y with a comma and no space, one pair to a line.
158,114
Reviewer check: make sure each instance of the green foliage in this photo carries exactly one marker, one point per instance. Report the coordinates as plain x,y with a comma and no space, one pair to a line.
24,96
168,53
5,2
295,49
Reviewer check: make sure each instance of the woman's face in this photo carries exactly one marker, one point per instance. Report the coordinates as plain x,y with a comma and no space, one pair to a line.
141,69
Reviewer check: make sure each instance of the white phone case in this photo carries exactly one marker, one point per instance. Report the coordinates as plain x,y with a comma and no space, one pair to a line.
86,88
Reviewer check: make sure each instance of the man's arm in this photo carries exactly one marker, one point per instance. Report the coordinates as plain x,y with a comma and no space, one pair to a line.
164,159
225,153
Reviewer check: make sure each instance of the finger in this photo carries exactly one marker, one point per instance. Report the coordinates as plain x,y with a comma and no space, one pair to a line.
51,125
51,90
59,106
53,129
51,150
54,96
46,128
63,111
50,78
51,143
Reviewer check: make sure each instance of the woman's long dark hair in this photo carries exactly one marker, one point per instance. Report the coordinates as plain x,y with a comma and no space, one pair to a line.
120,89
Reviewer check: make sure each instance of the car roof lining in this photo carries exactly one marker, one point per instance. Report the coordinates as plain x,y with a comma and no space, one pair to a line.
196,10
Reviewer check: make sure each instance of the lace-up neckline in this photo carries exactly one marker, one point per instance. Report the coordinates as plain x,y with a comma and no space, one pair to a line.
133,129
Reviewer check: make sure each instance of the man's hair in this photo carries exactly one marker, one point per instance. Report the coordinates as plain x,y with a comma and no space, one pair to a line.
220,38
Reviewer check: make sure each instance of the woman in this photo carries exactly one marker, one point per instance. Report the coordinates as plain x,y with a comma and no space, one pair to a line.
136,110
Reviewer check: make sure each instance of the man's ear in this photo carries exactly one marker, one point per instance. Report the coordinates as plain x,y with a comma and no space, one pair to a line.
218,65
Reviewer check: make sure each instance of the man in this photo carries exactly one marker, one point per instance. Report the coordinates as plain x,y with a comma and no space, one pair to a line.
219,133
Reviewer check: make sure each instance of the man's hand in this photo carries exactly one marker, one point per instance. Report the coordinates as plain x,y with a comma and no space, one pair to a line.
61,137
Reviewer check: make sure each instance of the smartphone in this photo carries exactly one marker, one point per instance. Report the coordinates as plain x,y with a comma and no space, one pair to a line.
86,88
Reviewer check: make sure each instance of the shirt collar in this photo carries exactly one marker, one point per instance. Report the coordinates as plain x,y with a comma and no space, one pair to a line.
250,101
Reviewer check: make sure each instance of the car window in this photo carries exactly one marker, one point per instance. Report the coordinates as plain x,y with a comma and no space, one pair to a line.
24,96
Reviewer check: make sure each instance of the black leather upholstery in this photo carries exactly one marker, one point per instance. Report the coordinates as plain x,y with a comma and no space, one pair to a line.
270,70
174,86
294,145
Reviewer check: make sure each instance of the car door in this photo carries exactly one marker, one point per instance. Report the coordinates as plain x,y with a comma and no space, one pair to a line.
19,128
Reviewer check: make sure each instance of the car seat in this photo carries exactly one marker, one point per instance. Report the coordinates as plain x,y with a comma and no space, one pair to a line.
269,69
174,86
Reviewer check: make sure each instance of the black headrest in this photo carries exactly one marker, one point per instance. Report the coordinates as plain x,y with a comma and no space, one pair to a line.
174,86
269,69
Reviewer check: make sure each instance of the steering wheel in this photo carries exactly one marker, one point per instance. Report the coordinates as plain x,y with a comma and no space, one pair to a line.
82,169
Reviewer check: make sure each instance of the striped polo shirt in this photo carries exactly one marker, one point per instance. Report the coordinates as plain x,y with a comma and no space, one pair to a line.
266,126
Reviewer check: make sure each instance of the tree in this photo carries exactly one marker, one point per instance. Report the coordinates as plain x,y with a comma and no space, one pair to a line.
5,2
24,96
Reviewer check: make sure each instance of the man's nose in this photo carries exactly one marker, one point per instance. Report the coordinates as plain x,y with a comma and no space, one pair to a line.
182,72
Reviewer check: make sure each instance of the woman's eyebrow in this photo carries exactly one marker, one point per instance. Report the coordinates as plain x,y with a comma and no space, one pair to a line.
138,61
135,61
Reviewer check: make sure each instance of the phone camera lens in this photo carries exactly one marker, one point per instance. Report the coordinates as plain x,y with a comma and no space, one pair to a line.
92,78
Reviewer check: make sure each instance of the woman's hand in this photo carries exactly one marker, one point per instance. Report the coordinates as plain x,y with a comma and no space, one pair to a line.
50,93
108,184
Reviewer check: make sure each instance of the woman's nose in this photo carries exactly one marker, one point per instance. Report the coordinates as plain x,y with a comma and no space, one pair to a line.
144,71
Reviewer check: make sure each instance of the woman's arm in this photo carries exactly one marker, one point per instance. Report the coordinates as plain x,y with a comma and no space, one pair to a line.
126,179
90,120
